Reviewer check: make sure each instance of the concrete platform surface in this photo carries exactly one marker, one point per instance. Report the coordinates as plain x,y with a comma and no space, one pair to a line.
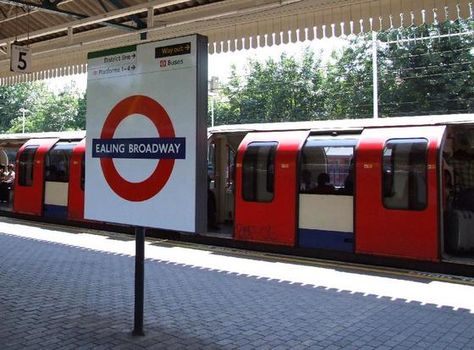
70,288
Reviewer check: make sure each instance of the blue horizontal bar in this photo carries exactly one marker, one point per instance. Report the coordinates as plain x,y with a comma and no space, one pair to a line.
140,148
321,239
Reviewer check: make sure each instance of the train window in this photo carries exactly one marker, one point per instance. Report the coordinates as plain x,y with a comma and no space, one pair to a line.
26,160
404,184
327,166
259,172
57,162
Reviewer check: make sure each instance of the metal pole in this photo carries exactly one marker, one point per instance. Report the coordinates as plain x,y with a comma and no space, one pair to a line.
139,280
23,121
375,85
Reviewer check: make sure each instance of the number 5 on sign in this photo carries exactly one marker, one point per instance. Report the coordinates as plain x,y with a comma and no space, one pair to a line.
20,59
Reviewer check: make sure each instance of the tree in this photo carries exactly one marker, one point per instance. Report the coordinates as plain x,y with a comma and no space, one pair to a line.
15,97
50,111
430,75
273,91
348,84
80,119
418,73
421,70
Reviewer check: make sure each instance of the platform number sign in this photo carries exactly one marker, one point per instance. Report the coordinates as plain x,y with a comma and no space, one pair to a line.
20,59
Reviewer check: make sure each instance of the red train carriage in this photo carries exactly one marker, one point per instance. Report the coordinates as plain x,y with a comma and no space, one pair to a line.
390,187
44,185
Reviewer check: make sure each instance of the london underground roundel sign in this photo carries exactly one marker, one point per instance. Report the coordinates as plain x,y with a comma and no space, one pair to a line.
146,145
166,148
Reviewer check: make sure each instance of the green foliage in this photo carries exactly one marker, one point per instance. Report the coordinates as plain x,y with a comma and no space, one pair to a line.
430,73
15,97
46,111
348,84
80,119
274,91
429,76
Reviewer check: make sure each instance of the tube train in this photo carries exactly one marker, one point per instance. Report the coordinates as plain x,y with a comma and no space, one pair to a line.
398,187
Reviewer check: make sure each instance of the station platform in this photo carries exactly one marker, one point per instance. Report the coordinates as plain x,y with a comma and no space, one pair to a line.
71,288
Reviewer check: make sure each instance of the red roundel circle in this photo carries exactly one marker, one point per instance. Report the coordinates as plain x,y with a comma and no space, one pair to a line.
137,191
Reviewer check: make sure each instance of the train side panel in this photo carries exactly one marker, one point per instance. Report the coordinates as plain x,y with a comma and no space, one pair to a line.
326,222
266,187
76,183
29,181
397,200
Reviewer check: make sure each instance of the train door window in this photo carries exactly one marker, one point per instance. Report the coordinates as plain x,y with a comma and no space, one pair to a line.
404,184
57,162
327,166
259,172
26,160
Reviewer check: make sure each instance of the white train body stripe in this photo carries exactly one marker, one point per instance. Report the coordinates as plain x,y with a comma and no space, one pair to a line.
326,212
56,193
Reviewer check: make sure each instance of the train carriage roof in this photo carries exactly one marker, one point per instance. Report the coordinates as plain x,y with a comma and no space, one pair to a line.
320,126
347,125
16,140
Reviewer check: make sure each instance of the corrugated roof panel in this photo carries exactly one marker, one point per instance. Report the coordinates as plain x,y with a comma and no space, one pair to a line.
227,22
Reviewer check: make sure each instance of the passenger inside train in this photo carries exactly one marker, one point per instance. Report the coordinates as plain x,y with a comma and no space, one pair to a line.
6,183
324,187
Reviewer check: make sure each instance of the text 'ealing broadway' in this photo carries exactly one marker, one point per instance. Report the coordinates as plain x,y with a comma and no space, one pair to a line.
157,148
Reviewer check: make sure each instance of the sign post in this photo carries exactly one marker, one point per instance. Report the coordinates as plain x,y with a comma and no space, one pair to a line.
139,280
146,144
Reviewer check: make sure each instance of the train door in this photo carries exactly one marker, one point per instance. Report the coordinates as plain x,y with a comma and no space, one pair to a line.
56,185
221,172
458,192
76,182
29,181
326,202
397,202
266,187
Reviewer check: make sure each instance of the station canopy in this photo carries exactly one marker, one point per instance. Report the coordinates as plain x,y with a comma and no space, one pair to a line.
60,33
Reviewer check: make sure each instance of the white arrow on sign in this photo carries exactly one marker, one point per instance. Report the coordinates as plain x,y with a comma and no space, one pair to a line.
20,59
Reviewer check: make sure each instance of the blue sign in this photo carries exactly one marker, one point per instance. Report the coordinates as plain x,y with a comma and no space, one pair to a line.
140,148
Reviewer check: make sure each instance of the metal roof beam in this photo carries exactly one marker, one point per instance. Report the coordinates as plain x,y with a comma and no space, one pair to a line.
3,13
120,5
51,3
103,6
51,8
96,19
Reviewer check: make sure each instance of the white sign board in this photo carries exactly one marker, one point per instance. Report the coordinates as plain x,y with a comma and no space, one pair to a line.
146,135
20,59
